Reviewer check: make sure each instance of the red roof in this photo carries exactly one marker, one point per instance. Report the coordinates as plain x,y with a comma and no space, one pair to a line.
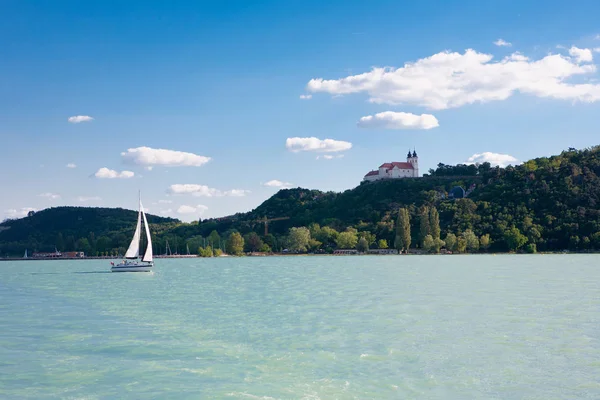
401,165
371,173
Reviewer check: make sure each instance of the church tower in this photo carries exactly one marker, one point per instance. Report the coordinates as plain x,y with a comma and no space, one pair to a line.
413,159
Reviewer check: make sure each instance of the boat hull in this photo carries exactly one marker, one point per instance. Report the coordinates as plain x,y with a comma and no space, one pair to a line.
132,267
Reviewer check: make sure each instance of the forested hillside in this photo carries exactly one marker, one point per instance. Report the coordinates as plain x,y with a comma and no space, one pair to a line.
86,229
545,204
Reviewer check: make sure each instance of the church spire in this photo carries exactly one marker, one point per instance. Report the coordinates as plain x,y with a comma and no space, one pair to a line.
409,155
414,154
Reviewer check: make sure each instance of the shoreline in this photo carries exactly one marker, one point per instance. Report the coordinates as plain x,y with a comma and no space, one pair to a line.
301,255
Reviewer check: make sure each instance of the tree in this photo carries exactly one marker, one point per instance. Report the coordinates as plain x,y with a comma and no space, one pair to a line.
461,244
270,241
382,244
206,251
235,244
434,223
103,244
327,236
347,240
432,245
83,245
314,244
252,242
514,239
485,241
362,245
451,242
369,237
403,239
471,240
298,239
214,239
428,244
424,227
60,242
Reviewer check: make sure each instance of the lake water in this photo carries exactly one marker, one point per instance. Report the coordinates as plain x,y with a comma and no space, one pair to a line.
393,327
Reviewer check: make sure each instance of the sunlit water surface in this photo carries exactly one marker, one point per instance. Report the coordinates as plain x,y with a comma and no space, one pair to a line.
432,327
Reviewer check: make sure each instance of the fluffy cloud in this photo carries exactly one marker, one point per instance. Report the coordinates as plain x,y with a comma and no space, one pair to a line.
204,191
20,213
85,199
80,118
149,157
581,55
276,183
105,173
236,192
50,196
451,79
71,165
398,120
329,156
305,96
199,209
502,43
165,201
297,144
493,158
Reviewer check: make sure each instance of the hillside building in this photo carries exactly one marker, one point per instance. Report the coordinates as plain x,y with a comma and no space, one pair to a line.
396,170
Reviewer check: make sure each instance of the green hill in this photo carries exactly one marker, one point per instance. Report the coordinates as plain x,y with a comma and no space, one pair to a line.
547,204
74,228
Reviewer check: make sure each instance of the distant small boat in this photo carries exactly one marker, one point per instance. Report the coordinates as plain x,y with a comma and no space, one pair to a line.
132,262
25,256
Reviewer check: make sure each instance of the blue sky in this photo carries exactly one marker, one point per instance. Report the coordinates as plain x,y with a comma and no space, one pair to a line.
223,80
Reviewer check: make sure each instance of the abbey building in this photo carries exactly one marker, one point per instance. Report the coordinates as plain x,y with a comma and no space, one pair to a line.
395,170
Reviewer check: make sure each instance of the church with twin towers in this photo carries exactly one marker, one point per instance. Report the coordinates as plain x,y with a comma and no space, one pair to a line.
396,170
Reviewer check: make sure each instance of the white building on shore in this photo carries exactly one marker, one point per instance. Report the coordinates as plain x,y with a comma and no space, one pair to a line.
396,170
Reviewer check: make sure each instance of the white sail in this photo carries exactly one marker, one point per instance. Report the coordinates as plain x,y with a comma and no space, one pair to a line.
25,256
134,247
148,253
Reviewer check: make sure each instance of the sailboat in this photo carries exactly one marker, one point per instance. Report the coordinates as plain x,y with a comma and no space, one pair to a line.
25,256
132,262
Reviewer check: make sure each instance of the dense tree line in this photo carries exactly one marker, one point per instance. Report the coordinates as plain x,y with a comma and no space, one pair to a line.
545,204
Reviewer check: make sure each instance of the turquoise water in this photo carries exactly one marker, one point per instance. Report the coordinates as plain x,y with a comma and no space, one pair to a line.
396,327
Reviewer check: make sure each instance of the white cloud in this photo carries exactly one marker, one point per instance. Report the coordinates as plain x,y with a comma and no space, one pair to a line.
581,55
71,165
50,196
597,37
329,156
447,80
493,158
502,43
276,183
199,209
20,213
165,212
204,191
236,192
297,144
596,49
105,173
165,201
85,199
398,120
80,118
149,157
306,96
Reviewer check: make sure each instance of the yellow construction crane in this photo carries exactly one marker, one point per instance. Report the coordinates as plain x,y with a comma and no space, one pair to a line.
266,221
